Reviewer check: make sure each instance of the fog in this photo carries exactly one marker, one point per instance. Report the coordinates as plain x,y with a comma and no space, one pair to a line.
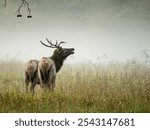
98,29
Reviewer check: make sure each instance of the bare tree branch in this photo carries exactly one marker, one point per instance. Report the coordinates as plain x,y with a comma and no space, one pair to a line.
5,3
28,7
24,3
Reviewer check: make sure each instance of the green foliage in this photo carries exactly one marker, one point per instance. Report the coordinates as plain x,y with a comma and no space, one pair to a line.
82,87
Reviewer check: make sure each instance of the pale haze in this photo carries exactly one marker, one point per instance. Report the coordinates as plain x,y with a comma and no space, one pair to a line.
98,29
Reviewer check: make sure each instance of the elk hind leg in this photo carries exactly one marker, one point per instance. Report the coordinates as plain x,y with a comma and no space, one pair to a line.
34,82
26,81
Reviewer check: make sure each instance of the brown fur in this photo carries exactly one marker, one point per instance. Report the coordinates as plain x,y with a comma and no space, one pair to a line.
47,72
49,66
43,72
31,74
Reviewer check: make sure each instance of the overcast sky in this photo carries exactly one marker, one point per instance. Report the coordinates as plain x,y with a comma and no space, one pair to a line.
117,29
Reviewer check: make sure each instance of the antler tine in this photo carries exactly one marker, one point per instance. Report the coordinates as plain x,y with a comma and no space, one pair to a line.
61,43
54,45
50,42
47,45
57,43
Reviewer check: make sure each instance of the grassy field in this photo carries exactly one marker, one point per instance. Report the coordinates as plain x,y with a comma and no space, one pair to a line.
84,87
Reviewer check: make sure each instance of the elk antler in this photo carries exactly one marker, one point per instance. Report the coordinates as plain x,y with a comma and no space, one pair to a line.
51,44
61,43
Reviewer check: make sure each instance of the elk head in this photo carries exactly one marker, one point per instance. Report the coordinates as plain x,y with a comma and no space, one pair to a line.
63,53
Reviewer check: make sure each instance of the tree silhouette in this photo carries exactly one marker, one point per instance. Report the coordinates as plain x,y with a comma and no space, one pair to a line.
24,3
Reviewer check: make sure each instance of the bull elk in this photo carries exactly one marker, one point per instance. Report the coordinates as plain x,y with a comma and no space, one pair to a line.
49,66
44,71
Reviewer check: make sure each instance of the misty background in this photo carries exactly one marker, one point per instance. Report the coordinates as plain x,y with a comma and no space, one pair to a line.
112,30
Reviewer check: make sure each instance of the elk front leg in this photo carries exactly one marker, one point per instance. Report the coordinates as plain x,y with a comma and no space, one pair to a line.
52,84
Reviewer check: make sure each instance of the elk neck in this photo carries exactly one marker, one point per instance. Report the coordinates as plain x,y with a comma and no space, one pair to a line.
58,60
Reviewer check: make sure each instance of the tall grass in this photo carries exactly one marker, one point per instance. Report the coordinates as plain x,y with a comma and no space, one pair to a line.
82,87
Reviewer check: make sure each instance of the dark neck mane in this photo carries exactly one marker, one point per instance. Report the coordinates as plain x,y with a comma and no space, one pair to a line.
58,61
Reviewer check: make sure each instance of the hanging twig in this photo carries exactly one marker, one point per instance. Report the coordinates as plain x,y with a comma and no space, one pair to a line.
25,4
